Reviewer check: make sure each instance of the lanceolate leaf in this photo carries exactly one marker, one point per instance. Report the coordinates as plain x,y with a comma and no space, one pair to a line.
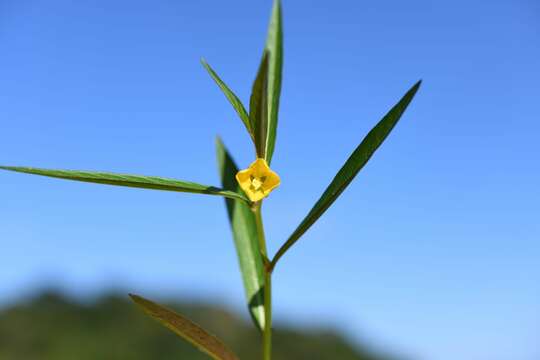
136,181
258,108
274,48
186,329
354,164
244,228
233,99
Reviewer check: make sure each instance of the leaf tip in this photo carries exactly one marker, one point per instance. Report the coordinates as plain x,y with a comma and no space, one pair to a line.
277,5
13,168
412,91
218,141
139,301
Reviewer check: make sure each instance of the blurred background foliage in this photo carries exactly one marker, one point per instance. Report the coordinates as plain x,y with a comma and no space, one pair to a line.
52,326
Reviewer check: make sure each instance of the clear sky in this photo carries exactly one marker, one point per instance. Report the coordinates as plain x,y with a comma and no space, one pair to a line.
432,252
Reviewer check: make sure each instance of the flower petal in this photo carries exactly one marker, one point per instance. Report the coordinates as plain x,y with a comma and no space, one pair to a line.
258,180
256,195
272,181
243,176
259,167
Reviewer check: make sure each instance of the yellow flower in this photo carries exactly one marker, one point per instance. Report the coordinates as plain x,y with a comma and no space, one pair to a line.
257,180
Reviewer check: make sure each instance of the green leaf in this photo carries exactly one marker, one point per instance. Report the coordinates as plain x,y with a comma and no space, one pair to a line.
274,48
136,181
354,164
244,228
186,329
258,108
233,99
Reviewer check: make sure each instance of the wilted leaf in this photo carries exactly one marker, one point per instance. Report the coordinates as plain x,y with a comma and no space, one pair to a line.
186,329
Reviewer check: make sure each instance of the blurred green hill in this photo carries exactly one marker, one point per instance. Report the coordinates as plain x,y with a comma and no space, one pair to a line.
54,327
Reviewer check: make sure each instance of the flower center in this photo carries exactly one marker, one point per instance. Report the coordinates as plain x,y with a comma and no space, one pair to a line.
257,183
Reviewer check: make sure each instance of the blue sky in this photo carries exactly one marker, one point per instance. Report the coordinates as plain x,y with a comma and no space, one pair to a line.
432,252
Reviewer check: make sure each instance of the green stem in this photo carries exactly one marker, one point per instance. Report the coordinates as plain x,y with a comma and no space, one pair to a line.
256,207
267,334
267,331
